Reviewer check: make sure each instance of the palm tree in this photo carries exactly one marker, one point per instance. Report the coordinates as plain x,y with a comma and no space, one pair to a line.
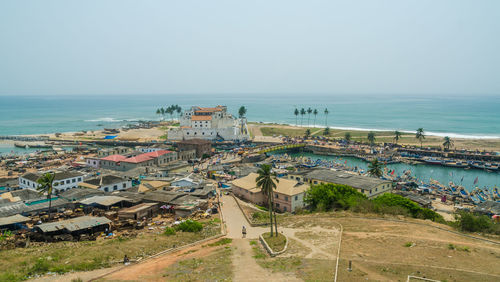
242,112
315,113
267,182
397,136
162,110
447,142
326,131
170,110
371,138
309,111
296,113
347,137
179,111
302,113
158,112
326,117
375,168
45,185
307,133
420,136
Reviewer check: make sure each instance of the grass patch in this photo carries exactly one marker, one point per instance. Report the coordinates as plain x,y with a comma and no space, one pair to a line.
189,226
408,244
276,243
215,267
61,257
223,241
169,231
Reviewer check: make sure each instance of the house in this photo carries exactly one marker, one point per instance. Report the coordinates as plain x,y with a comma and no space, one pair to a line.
13,222
370,186
93,162
107,183
210,124
112,162
75,226
200,146
186,182
288,195
124,163
106,202
62,180
120,150
147,210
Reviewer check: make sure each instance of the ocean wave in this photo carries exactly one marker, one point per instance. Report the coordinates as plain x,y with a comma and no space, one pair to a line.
110,119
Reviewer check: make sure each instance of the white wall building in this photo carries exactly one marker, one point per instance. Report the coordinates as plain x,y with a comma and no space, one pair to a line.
107,183
62,181
210,123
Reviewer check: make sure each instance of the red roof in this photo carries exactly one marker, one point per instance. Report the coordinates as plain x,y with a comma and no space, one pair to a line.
146,156
114,158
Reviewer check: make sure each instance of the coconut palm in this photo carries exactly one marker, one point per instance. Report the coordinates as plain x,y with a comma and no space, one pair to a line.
296,113
326,117
371,138
267,182
315,113
162,110
397,136
309,112
420,135
307,133
45,186
158,112
447,142
302,113
178,109
375,168
347,137
242,112
326,131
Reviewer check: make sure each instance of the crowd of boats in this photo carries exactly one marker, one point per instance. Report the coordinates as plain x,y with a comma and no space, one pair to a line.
463,164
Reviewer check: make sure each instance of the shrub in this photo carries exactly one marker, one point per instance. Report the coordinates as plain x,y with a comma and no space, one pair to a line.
324,197
169,231
408,244
451,247
477,223
190,226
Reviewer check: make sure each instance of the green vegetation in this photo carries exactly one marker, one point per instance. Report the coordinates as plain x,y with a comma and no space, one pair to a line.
420,136
408,244
266,181
375,168
276,243
214,267
45,186
371,138
169,231
242,112
469,222
223,241
189,226
326,197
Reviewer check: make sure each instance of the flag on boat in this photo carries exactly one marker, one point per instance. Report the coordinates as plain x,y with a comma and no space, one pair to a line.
462,179
476,180
392,172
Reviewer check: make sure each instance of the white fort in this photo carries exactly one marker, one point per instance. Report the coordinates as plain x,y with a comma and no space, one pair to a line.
210,123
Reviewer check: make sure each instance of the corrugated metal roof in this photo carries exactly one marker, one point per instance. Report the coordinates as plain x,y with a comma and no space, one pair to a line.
137,208
73,224
13,219
103,200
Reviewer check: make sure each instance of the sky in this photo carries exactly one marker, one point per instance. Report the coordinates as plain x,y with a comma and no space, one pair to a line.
445,47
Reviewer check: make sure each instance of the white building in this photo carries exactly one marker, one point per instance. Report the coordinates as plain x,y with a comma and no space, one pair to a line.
93,162
62,180
107,183
210,123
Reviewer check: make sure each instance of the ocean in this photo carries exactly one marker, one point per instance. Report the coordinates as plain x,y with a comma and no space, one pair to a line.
466,117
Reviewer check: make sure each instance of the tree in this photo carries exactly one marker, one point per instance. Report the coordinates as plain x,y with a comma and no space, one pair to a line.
46,185
267,182
375,168
158,112
420,135
447,142
302,113
179,111
307,133
296,113
347,137
170,110
242,112
326,117
326,131
397,136
315,113
309,111
371,138
162,110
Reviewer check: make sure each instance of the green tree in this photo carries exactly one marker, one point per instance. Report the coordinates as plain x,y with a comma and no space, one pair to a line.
179,111
326,132
267,182
162,110
447,142
45,186
371,138
315,113
420,135
324,197
309,112
296,113
397,136
307,133
347,137
375,168
302,114
158,112
242,112
326,117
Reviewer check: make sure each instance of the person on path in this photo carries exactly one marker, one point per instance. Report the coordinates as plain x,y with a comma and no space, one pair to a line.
244,231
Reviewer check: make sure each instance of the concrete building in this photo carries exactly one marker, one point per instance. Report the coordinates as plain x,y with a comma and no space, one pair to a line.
120,150
200,146
369,186
106,183
288,195
124,163
93,162
62,180
211,124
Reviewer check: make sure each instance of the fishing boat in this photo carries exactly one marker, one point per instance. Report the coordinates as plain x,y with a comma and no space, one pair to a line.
433,161
456,164
21,145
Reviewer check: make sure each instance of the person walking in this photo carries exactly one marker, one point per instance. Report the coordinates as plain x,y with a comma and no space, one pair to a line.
244,231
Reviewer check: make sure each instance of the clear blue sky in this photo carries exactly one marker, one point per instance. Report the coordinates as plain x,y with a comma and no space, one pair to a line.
271,46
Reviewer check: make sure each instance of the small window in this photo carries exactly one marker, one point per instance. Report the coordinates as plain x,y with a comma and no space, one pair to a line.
67,181
124,185
276,196
73,180
106,189
284,208
286,198
296,198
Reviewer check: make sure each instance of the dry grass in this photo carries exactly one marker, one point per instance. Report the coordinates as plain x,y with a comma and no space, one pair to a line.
276,243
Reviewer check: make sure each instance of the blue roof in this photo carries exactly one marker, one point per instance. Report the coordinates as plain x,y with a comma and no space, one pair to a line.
110,136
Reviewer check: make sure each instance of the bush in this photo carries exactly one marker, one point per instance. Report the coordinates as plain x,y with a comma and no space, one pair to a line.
477,223
325,197
169,231
190,226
